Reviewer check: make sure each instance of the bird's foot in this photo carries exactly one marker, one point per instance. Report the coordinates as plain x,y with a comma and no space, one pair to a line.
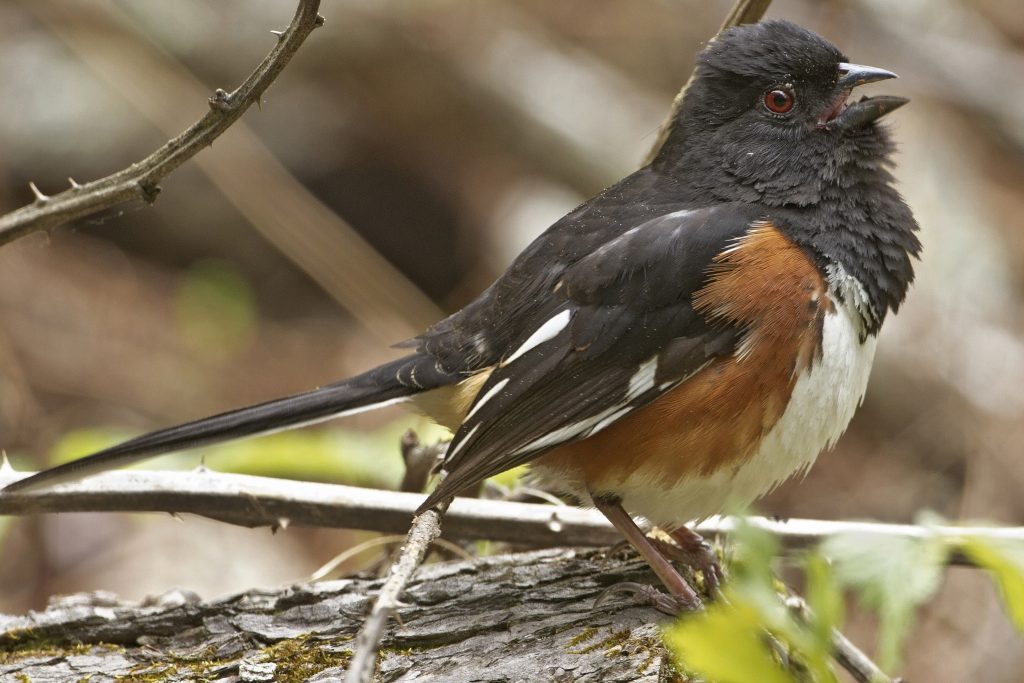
646,594
692,550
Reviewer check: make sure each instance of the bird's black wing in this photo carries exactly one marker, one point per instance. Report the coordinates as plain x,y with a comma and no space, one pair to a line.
479,334
616,331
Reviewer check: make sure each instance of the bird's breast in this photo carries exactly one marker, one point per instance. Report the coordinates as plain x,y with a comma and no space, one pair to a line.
670,466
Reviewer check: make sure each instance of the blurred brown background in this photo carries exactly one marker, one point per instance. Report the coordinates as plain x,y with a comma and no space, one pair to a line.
446,135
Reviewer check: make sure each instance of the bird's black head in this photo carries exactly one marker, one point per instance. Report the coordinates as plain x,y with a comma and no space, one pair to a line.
767,117
767,122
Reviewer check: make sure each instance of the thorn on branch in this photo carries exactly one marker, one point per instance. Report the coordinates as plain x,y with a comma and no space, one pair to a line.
149,192
279,34
141,178
40,197
221,100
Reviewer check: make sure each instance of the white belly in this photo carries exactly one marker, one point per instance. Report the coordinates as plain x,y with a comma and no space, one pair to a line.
823,401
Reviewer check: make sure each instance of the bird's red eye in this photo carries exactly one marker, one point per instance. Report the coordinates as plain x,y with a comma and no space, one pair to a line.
779,101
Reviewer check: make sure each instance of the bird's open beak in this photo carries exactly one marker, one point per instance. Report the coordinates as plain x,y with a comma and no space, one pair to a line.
845,116
852,75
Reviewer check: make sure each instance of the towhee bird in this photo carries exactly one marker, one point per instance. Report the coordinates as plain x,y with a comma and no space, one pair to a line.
693,335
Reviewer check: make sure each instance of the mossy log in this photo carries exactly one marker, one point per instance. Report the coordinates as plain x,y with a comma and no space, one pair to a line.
509,618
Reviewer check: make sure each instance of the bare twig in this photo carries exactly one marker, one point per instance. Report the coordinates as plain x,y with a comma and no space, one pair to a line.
140,180
261,501
853,659
743,12
425,530
848,655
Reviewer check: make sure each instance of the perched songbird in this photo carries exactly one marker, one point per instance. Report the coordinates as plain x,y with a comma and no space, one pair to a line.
693,335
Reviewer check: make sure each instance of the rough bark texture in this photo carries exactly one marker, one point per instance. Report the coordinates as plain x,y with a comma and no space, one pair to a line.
522,617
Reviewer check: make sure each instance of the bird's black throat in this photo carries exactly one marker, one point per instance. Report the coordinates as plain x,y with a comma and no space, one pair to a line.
831,192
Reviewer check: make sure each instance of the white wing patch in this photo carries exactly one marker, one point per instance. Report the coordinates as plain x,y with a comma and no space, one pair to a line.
610,419
643,380
487,397
577,430
546,332
458,447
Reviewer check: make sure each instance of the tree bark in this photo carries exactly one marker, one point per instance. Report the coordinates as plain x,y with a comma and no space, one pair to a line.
508,618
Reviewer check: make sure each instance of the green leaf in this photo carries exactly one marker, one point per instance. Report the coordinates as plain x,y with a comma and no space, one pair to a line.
825,599
731,640
823,595
1004,560
892,575
754,550
726,644
751,576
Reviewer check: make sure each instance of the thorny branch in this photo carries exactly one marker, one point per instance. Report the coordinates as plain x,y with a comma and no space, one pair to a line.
251,501
140,180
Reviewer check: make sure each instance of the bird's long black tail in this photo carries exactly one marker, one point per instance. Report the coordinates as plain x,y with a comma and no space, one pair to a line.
384,385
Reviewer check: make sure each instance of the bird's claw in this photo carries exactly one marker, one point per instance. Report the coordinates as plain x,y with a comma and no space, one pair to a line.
699,555
646,594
